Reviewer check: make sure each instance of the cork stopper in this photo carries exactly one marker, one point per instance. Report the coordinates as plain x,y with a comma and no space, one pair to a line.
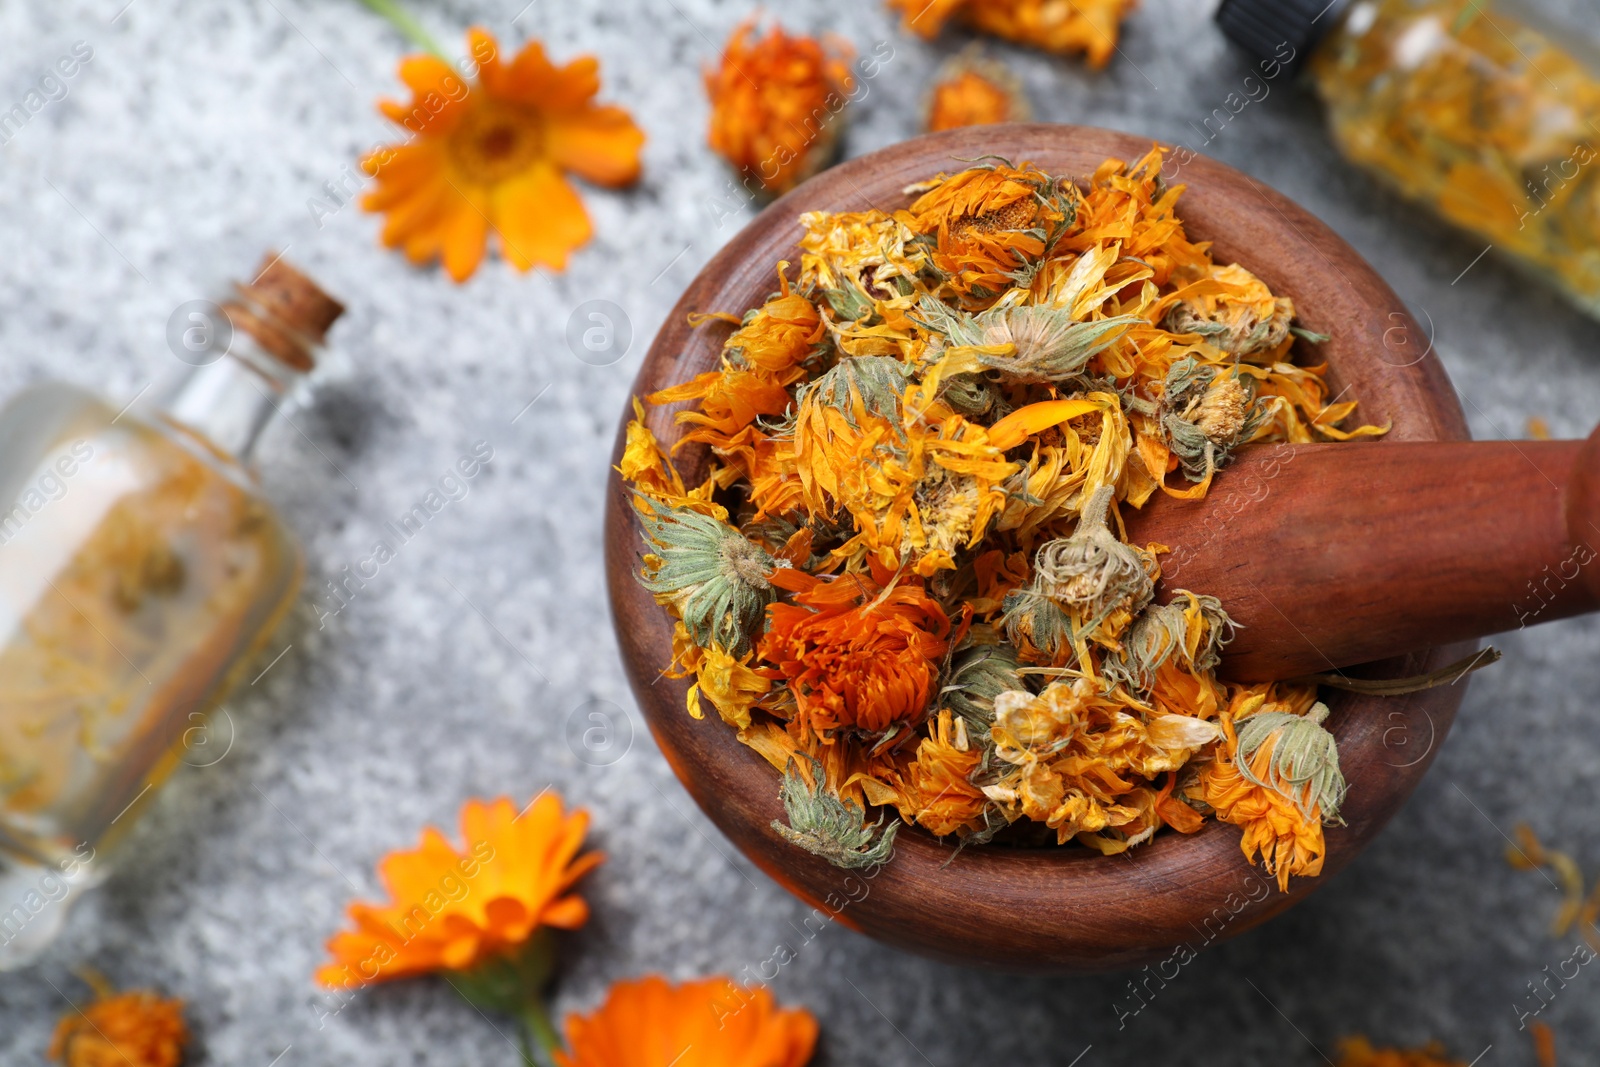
286,312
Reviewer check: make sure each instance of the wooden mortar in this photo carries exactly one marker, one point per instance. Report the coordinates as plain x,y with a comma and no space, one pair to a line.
1053,908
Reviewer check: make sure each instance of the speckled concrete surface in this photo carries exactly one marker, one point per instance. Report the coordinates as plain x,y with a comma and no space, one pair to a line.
194,138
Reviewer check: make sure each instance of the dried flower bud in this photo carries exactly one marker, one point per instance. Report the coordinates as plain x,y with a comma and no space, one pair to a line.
1218,630
1091,571
1205,414
858,385
969,394
1048,346
1152,639
715,577
1304,763
978,676
827,826
1244,318
1034,619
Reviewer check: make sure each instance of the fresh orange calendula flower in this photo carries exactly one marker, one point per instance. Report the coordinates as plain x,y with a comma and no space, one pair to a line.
494,156
1066,27
136,1029
775,105
856,652
975,93
648,1022
452,908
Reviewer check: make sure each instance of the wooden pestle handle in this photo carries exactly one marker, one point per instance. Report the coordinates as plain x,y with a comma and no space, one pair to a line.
1330,555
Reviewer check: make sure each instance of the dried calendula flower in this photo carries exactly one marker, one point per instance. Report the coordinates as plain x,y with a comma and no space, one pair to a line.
1281,782
946,799
1191,631
857,654
1086,576
716,579
494,155
1070,747
1153,638
649,1022
731,685
826,826
972,91
1205,413
1087,27
845,414
1092,571
776,105
134,1029
1300,760
990,224
1026,343
977,676
1231,309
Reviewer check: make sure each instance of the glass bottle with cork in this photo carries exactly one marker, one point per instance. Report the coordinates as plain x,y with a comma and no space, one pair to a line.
1486,111
140,571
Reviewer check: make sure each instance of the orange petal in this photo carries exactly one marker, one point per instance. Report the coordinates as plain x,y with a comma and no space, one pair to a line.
568,913
600,144
556,89
465,236
540,218
409,168
1024,422
438,94
530,78
485,52
417,215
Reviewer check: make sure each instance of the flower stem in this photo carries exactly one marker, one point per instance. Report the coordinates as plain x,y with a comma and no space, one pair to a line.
539,1037
409,27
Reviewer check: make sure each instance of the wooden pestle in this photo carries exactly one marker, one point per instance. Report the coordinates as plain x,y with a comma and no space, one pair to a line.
1330,555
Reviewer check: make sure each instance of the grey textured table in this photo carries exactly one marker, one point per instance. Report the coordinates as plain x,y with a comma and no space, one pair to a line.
193,140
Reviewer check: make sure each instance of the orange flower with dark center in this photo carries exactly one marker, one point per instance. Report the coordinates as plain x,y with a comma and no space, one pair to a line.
452,909
975,93
494,155
137,1029
985,221
857,652
776,104
709,1023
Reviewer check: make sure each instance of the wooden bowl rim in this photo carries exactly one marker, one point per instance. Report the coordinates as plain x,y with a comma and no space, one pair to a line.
1050,908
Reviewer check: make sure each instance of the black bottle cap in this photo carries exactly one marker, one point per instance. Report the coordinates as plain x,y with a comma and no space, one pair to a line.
1262,27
